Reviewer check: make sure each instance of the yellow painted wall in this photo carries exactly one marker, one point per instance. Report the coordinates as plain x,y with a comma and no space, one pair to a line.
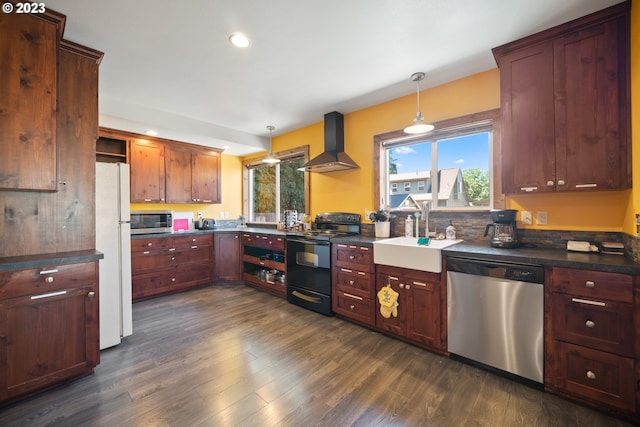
231,194
353,190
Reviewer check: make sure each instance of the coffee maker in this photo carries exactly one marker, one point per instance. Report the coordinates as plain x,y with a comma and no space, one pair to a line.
505,233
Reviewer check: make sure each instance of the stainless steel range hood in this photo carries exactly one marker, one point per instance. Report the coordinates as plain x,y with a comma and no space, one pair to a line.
333,158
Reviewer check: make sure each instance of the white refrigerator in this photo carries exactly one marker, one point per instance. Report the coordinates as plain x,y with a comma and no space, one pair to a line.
113,239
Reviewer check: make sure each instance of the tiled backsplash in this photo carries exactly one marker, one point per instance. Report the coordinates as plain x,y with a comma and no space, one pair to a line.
470,226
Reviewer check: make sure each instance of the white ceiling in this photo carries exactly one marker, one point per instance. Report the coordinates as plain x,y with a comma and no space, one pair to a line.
168,65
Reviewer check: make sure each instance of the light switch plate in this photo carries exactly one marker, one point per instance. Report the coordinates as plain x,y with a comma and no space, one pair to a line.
525,218
541,218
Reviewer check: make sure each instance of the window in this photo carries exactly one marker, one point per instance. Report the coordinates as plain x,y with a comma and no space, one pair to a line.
451,165
272,189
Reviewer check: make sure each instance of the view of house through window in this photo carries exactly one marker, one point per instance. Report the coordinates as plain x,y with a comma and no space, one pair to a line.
448,169
276,188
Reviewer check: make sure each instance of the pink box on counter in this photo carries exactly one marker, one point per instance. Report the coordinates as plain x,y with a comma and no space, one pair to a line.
180,224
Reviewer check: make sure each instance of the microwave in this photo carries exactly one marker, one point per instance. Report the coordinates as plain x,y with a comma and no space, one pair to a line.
150,222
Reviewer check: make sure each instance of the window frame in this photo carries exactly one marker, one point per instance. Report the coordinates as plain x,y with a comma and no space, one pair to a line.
301,152
492,116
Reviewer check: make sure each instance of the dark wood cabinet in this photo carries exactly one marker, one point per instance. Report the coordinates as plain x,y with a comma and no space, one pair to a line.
147,171
591,337
192,175
419,310
264,262
48,327
162,265
557,136
28,100
227,255
353,283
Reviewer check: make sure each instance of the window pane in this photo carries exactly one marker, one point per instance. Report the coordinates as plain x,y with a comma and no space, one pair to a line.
292,186
463,164
263,185
408,166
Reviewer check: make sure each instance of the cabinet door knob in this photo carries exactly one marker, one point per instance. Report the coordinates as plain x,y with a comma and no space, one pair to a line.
352,307
407,286
173,279
351,282
173,258
591,375
561,182
590,284
351,257
550,183
590,323
91,294
149,244
48,279
401,285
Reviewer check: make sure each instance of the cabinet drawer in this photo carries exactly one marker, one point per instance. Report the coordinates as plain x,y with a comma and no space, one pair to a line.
594,284
354,282
191,240
46,279
599,324
149,244
154,260
264,241
354,307
352,256
169,280
596,375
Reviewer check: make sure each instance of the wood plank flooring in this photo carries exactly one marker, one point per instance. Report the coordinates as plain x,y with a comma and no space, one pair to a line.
230,355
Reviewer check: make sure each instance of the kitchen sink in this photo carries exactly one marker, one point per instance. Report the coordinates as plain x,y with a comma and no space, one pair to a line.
405,252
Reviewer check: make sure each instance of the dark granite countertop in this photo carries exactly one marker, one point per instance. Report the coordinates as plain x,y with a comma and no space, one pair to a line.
44,260
547,257
259,230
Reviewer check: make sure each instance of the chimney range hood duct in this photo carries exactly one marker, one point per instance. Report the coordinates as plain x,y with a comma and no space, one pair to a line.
333,158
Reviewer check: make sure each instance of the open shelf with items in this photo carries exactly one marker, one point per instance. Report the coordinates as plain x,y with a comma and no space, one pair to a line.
111,150
263,262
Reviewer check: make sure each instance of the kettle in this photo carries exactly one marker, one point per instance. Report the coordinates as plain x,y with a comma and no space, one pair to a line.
505,232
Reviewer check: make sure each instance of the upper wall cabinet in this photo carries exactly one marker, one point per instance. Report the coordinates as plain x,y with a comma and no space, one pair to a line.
147,171
28,100
565,106
193,175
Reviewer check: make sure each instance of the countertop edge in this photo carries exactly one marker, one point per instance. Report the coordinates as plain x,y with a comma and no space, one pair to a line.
51,259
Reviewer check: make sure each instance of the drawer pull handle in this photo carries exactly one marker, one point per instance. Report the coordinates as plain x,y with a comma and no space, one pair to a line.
586,301
194,247
352,247
591,375
172,249
91,294
55,270
361,273
352,296
419,283
50,294
146,253
48,279
364,248
590,284
590,323
346,270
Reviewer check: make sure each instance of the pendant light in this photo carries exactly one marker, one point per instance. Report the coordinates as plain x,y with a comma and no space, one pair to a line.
418,126
271,159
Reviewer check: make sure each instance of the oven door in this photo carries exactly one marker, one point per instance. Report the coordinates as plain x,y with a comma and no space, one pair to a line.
309,265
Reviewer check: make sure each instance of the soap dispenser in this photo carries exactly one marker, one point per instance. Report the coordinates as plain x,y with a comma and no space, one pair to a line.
450,231
408,227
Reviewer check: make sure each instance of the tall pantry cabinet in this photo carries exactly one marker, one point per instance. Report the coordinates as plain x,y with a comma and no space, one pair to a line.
48,263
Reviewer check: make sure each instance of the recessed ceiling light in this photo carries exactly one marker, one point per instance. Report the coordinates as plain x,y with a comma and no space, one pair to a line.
151,132
239,40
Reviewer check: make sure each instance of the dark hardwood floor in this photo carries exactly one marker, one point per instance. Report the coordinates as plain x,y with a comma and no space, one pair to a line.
231,355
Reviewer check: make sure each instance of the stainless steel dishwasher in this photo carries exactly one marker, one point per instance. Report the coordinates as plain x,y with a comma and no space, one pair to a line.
495,315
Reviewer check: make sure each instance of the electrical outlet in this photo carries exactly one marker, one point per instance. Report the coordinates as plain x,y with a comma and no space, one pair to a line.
541,218
525,218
